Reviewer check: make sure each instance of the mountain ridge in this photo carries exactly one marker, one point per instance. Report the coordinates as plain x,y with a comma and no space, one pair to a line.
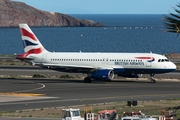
12,13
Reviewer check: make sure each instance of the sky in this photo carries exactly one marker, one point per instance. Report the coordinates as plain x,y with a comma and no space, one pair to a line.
105,6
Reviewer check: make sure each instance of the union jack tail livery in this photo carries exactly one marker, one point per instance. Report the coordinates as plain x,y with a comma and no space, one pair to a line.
31,43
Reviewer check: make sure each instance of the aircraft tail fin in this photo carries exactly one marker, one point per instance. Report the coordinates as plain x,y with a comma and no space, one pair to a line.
31,43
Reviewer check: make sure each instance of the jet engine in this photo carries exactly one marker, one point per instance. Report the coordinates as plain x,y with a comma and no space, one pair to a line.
102,74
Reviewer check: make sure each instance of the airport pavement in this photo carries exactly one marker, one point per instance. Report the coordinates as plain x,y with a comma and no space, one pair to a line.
55,93
28,93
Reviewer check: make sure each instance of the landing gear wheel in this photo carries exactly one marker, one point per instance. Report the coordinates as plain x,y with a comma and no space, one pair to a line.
153,81
87,80
152,78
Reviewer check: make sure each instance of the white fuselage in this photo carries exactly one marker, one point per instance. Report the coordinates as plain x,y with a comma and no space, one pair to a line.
101,66
134,62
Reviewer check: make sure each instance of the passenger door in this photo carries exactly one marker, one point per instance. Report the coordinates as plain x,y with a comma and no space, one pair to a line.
148,63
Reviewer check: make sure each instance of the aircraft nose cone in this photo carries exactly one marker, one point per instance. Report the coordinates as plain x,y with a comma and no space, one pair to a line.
173,66
170,67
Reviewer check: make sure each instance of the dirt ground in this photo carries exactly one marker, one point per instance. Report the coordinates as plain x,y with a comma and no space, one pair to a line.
147,107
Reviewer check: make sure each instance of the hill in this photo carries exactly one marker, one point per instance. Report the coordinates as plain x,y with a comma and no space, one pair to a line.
12,13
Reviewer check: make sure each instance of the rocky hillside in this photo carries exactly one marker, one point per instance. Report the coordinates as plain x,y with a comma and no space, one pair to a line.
12,13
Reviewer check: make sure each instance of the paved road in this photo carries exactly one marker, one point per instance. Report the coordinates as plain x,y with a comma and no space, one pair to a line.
75,92
42,93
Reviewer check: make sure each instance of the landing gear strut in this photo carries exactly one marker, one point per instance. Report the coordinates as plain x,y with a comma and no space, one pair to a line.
152,78
87,80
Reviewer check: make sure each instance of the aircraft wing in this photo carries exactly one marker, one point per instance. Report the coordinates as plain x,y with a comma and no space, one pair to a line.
65,65
75,67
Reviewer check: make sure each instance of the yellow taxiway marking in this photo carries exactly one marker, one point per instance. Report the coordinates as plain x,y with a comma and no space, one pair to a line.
20,94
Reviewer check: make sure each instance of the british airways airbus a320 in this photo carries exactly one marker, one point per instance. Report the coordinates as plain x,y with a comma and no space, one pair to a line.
101,66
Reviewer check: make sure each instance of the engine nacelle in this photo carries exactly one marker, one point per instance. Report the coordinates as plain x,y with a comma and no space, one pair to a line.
102,74
131,75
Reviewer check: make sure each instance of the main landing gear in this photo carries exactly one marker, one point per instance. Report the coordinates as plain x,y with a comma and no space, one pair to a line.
152,78
87,80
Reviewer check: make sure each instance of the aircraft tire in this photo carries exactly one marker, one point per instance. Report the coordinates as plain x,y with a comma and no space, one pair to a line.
87,80
153,81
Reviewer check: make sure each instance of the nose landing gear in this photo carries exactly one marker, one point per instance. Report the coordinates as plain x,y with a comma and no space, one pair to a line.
152,79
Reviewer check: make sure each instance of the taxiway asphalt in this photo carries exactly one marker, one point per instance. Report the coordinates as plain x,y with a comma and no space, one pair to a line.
55,93
28,93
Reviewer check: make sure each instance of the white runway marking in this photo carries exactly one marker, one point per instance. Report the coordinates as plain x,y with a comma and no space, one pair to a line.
20,98
42,86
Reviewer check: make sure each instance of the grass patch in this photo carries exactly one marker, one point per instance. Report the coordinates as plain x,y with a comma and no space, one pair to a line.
172,99
66,76
39,76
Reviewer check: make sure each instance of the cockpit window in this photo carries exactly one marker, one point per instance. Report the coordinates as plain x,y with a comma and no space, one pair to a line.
163,60
166,60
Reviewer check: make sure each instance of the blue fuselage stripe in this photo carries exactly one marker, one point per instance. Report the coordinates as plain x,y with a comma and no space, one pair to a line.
142,71
121,70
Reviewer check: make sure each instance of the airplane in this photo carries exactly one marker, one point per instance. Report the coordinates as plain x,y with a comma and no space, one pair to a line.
97,66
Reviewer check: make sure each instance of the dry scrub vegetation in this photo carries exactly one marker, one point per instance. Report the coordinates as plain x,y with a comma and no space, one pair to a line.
147,107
